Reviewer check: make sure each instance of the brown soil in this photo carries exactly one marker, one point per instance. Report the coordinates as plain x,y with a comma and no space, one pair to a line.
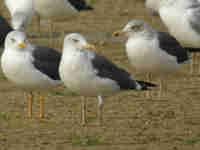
131,120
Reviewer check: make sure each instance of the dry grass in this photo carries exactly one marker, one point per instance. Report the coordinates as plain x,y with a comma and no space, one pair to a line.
131,121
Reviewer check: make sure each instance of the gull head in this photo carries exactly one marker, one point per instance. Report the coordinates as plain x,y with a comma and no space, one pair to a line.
16,40
133,28
77,41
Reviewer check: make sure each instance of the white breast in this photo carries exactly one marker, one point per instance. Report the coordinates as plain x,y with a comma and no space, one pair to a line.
17,67
177,22
146,56
79,76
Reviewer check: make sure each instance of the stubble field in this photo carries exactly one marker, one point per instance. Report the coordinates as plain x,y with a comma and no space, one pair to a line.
131,121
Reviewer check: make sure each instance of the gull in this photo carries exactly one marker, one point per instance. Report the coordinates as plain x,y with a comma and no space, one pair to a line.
88,74
32,68
181,17
60,9
151,51
21,12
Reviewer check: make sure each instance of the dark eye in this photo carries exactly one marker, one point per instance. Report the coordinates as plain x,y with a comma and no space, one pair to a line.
135,27
75,40
13,40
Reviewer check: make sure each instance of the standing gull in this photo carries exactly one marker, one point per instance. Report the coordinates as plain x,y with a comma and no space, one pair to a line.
182,18
32,68
150,51
21,12
5,28
59,9
88,74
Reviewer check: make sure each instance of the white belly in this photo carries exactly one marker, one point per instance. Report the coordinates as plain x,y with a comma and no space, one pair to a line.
179,27
81,78
19,70
146,57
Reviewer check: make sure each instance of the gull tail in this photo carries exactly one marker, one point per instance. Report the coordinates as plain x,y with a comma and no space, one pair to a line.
142,85
80,5
88,8
193,50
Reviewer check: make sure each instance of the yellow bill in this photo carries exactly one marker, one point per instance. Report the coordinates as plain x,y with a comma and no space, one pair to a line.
90,47
117,33
22,45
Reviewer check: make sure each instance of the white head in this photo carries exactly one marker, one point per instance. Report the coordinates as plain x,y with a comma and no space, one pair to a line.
16,40
20,21
77,42
135,27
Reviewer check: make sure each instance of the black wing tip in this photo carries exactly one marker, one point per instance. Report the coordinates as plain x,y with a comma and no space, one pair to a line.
192,50
146,85
87,8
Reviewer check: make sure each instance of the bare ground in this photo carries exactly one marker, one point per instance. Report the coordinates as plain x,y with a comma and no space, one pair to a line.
131,120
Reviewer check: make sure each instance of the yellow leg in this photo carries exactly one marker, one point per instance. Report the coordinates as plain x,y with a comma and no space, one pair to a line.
148,93
192,69
100,110
30,103
62,36
161,88
41,107
198,55
83,109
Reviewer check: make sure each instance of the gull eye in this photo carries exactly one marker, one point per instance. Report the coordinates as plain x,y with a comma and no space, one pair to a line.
136,27
13,40
132,27
75,40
